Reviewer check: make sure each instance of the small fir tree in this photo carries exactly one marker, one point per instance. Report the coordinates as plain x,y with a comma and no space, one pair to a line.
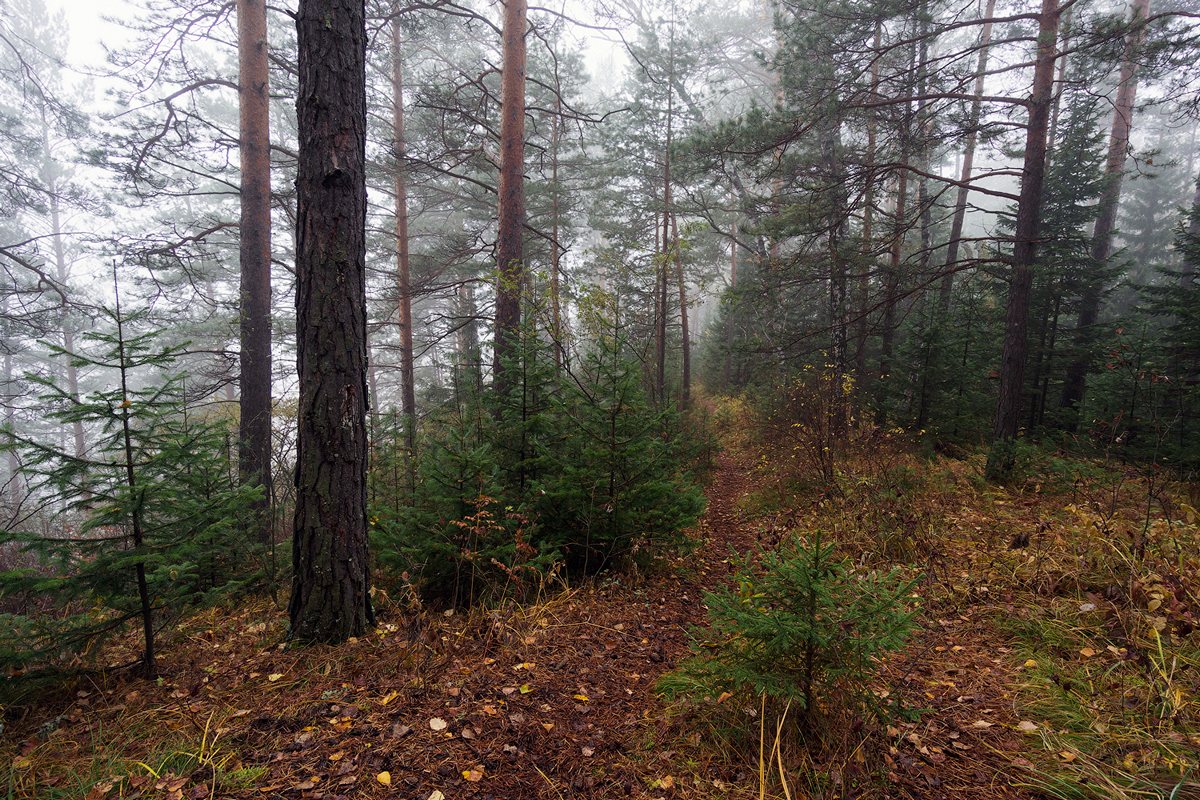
149,523
802,628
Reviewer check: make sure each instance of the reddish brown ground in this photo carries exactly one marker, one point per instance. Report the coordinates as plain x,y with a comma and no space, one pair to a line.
554,700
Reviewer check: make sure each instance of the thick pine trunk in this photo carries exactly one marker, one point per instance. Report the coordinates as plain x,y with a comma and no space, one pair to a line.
510,241
408,397
1029,205
330,600
254,255
1106,219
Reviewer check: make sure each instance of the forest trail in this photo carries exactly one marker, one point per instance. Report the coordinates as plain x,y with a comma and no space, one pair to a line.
550,700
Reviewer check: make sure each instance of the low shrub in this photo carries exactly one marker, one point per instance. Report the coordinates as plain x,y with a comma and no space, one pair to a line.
800,628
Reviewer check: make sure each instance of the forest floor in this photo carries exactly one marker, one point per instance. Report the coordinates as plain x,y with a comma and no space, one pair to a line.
1030,684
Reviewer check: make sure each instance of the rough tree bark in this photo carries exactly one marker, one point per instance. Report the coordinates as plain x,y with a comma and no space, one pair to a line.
330,599
1106,219
510,241
254,256
1029,206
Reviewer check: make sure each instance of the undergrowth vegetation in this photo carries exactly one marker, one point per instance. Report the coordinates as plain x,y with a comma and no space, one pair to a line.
800,629
1080,577
571,471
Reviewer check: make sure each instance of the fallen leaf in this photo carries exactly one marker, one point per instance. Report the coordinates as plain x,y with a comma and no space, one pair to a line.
337,756
21,762
274,676
982,723
724,696
1087,652
588,751
525,688
99,791
387,698
385,778
436,795
1067,756
474,774
549,726
1030,664
1025,726
583,698
437,724
665,782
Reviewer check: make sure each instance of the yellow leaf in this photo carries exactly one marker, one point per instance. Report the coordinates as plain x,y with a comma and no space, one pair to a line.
338,756
549,726
385,778
387,698
274,676
525,688
436,795
526,665
1087,652
666,782
21,762
1067,756
474,774
583,698
724,696
1030,664
1154,604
